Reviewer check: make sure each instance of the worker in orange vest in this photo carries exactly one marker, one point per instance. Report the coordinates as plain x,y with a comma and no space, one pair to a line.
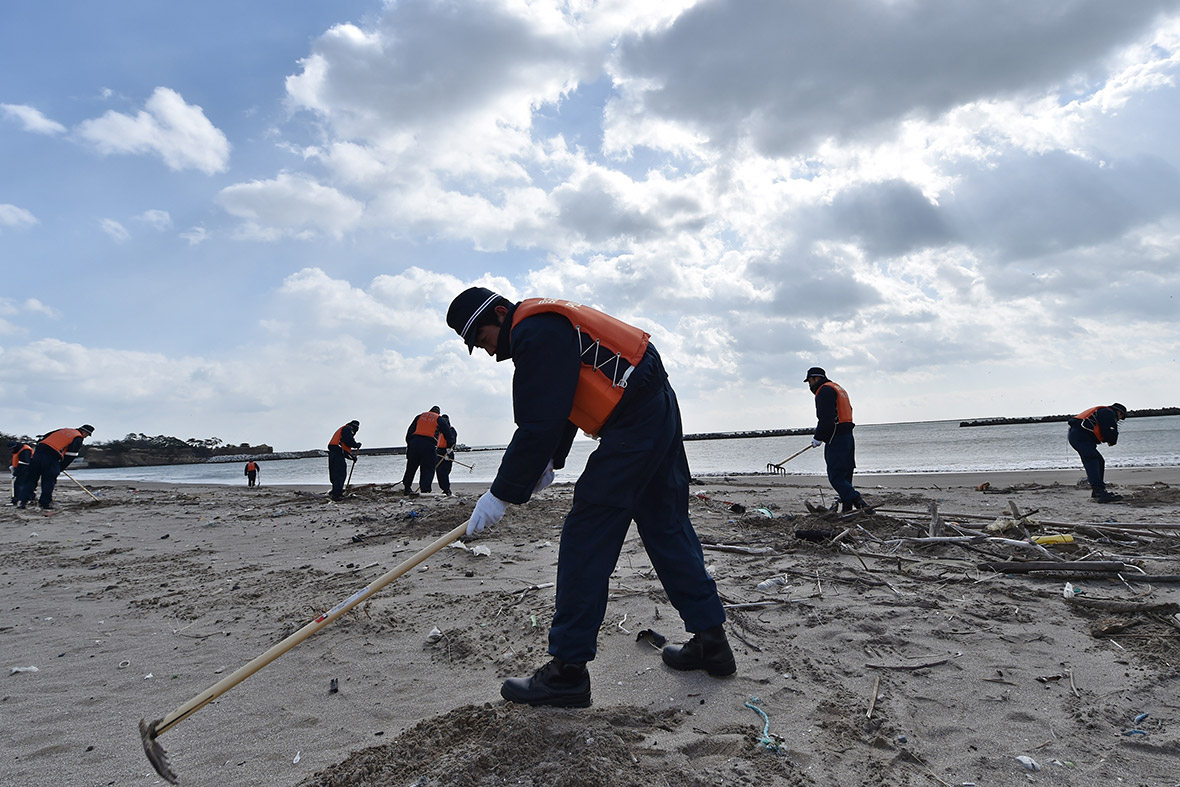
579,368
421,448
833,430
342,447
22,455
251,472
1086,430
447,437
54,453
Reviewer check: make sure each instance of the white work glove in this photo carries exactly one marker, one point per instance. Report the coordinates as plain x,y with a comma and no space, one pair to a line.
488,510
816,443
546,478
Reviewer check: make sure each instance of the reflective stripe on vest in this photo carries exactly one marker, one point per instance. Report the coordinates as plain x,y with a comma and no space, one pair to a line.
60,439
427,425
843,403
601,380
1090,423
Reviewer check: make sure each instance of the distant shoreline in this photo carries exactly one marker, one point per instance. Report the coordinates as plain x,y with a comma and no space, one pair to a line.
1044,419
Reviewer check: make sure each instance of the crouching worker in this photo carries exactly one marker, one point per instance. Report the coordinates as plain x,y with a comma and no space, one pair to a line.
1087,430
576,367
55,452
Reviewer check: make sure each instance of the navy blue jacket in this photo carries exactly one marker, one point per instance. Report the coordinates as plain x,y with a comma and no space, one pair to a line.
1108,423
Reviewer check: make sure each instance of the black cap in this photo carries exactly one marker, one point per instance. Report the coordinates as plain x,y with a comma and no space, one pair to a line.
465,310
86,428
355,424
815,371
13,446
436,409
1122,408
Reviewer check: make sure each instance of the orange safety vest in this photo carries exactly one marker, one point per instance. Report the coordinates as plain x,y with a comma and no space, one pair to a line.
427,425
442,440
843,403
251,467
59,440
1090,423
598,393
16,455
336,440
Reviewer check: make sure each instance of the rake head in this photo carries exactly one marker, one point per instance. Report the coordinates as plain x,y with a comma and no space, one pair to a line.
154,751
777,469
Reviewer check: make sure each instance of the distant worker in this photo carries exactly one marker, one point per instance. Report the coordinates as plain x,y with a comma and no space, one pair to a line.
251,472
342,446
578,368
22,456
447,436
422,448
1086,430
833,413
53,454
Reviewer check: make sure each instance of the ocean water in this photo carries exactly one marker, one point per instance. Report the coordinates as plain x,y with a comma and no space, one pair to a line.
923,447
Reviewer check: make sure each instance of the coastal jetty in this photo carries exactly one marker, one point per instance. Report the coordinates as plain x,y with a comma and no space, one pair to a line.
754,433
1041,419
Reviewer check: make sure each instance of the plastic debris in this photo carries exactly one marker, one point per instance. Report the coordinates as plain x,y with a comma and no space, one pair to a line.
1132,733
481,550
29,668
1141,717
298,756
772,583
434,636
652,637
764,512
1029,763
333,686
767,740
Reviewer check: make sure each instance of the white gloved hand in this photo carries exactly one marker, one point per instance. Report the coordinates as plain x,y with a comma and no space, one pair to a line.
546,478
488,510
816,443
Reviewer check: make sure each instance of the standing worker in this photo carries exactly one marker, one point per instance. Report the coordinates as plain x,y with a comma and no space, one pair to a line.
54,453
577,368
833,413
1086,430
251,472
22,455
421,448
447,437
342,445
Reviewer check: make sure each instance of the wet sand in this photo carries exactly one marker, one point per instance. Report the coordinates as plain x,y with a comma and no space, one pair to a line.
874,660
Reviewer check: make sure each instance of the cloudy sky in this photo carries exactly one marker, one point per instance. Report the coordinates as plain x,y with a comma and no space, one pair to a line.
246,220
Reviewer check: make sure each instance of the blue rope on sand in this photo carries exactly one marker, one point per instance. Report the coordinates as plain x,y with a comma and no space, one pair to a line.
766,742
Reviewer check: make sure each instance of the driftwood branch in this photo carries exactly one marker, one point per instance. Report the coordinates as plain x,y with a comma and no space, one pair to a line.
741,550
1090,566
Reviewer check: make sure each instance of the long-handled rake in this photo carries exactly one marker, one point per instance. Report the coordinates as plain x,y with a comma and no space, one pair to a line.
84,489
778,468
150,733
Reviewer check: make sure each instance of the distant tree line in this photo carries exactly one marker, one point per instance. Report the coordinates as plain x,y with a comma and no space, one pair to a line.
141,449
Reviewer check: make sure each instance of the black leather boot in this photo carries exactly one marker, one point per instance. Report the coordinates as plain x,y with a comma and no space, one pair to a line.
708,650
557,684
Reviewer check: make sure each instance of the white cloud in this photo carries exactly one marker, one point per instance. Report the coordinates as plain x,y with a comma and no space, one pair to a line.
12,216
113,228
177,132
159,219
32,120
195,235
290,205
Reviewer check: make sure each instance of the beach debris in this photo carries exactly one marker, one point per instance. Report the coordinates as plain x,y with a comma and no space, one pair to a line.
434,636
741,549
815,535
763,512
298,756
29,668
736,508
772,583
333,686
1054,538
651,637
986,485
1132,733
124,664
1028,762
1140,717
766,740
1069,591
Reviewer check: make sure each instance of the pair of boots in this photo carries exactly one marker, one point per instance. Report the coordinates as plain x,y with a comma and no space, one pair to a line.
844,506
1105,496
567,685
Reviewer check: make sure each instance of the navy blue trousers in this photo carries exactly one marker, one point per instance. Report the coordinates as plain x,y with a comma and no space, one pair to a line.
421,457
840,456
337,471
638,472
43,469
1086,444
443,471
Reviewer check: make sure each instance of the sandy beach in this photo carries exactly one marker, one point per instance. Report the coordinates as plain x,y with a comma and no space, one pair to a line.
865,656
